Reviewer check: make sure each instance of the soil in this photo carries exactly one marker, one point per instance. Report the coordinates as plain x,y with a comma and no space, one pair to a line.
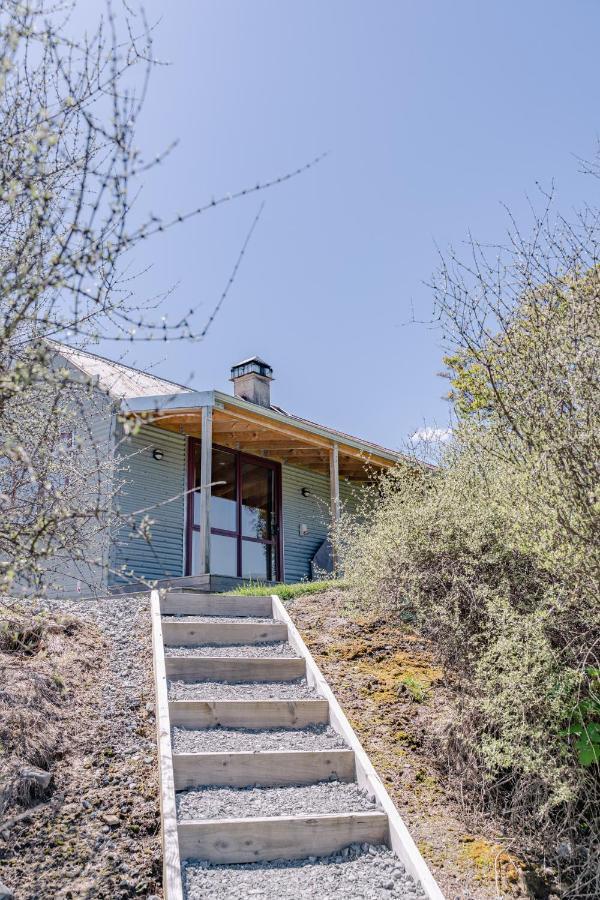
94,832
395,696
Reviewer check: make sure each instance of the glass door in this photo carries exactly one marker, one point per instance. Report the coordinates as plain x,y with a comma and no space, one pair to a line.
244,513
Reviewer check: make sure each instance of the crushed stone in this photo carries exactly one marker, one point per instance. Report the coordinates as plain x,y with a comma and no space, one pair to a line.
232,740
252,690
267,649
222,620
358,871
321,798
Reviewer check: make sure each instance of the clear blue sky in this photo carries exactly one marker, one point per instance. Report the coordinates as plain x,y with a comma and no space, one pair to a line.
433,113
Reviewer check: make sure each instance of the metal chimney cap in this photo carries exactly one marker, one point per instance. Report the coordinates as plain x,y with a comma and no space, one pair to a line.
254,365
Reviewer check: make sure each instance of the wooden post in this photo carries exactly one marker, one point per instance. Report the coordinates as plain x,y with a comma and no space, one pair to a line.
205,489
334,487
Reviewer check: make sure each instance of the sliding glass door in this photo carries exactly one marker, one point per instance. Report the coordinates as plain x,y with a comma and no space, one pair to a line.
244,515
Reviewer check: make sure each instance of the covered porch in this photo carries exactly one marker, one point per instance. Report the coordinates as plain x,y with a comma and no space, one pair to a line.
257,479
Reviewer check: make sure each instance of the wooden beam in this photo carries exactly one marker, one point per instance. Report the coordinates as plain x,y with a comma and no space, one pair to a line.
172,886
182,604
205,489
277,426
227,841
266,768
236,669
248,713
334,490
186,634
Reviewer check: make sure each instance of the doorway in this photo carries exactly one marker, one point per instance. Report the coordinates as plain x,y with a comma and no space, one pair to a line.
245,515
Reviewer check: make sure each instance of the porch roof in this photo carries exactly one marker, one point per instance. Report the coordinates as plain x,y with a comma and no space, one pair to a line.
263,431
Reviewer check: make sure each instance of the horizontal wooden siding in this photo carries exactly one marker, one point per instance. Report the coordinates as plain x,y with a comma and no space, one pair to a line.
149,482
312,511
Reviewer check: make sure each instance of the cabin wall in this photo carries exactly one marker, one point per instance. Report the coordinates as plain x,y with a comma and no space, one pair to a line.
312,511
145,483
91,420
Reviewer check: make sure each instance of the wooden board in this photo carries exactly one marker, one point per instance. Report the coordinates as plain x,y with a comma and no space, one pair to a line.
266,768
400,838
234,670
248,713
172,885
227,634
229,841
182,604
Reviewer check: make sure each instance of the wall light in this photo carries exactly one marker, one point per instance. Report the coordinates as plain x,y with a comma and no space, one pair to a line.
157,453
305,492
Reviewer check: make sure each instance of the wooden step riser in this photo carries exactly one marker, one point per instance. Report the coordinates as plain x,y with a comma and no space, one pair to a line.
248,713
229,634
274,768
214,605
235,670
227,841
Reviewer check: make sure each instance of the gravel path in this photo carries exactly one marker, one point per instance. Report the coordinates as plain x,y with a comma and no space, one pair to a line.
253,690
359,871
218,740
222,620
313,799
271,648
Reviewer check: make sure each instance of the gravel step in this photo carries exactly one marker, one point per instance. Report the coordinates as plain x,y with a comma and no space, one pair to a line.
219,620
369,873
272,648
230,740
313,799
254,690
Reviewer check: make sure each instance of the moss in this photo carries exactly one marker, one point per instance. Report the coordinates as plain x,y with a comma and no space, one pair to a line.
490,861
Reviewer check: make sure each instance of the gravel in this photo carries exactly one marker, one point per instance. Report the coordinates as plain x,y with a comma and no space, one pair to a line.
310,800
270,648
219,740
222,620
100,831
253,690
358,871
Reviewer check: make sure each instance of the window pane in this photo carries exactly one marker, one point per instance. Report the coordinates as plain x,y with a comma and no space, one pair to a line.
195,560
223,504
257,501
223,555
257,561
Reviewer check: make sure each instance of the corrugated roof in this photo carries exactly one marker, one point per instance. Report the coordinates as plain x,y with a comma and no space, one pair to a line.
116,379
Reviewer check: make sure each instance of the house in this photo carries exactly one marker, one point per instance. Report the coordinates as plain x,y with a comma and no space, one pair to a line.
236,487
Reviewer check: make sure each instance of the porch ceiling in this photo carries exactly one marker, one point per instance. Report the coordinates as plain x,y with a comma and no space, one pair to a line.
252,433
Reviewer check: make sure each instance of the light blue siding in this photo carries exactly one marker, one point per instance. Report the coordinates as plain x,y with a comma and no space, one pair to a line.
147,483
312,511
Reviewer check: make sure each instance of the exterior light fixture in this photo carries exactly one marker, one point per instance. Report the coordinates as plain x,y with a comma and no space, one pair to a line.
157,453
305,492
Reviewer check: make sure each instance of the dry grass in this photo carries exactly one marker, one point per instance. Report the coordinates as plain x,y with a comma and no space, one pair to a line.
34,650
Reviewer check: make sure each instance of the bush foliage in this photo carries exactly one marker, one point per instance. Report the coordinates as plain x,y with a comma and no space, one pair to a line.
495,553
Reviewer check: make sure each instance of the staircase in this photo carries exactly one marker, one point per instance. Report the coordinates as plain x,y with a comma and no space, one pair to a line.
241,704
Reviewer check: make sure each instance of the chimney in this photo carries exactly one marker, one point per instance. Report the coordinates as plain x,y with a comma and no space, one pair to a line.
252,381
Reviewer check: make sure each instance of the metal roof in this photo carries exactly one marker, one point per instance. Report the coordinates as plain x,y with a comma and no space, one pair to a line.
116,379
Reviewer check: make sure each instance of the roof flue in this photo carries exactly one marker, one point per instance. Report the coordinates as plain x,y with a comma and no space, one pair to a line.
252,381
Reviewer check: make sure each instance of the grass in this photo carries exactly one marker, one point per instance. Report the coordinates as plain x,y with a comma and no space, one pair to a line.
288,591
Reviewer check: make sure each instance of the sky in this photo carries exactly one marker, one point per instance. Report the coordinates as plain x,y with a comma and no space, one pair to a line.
434,116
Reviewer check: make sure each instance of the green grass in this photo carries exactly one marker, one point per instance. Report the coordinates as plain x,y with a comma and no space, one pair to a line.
288,591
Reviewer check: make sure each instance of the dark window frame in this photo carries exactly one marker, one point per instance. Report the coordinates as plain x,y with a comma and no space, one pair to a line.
240,458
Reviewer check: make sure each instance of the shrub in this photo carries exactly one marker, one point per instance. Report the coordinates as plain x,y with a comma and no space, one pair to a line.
495,554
